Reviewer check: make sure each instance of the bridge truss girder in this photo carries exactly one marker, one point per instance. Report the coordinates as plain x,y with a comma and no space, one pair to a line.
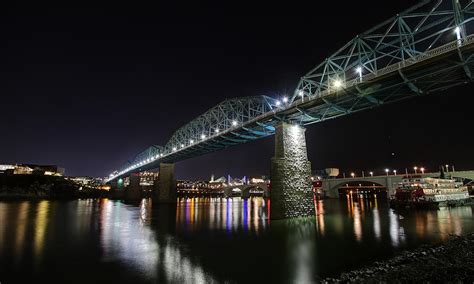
427,48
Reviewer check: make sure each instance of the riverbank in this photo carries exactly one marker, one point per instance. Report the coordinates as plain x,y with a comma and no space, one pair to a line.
32,187
452,261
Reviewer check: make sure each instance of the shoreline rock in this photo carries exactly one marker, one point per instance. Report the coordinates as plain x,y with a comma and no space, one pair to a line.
451,261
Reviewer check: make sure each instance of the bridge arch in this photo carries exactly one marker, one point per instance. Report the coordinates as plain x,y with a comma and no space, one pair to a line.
332,186
364,187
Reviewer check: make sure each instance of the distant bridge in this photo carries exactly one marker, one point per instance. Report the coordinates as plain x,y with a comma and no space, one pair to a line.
331,186
245,190
426,49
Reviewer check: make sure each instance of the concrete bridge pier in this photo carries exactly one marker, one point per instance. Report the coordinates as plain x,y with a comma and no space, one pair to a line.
134,192
116,189
165,187
291,187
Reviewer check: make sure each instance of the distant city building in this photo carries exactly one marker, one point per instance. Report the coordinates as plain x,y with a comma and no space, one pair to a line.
325,173
29,169
89,182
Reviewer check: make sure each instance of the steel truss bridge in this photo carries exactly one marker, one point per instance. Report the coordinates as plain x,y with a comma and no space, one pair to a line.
427,48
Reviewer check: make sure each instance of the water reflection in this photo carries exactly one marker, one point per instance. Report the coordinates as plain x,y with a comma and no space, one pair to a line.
230,215
41,223
208,239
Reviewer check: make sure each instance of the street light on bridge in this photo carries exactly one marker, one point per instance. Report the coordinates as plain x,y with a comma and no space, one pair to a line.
234,123
457,31
353,175
415,168
422,170
359,72
371,174
394,172
386,171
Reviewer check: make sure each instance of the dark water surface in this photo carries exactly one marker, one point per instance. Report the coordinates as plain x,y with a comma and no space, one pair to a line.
206,240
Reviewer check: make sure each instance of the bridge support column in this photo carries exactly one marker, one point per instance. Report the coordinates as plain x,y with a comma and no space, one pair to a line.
165,186
291,187
116,189
134,191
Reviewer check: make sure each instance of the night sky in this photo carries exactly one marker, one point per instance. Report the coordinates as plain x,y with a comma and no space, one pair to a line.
89,87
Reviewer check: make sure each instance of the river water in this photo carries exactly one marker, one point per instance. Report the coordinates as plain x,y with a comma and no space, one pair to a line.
204,240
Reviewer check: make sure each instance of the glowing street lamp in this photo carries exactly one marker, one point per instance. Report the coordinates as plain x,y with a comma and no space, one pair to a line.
203,136
415,168
285,99
394,172
234,123
371,174
301,93
422,170
457,31
191,141
359,71
216,130
338,84
386,171
174,149
353,175
277,103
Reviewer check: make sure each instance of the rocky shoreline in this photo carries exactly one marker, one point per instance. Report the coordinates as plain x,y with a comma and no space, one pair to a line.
452,261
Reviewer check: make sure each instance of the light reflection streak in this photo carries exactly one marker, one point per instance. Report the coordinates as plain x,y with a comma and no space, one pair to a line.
394,228
22,221
357,222
127,237
377,224
124,238
320,217
41,223
3,224
230,214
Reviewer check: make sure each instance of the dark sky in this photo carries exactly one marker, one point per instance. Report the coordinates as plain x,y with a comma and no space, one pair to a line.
88,87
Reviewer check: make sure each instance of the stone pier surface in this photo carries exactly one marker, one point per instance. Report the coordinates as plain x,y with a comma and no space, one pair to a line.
166,192
116,189
134,191
291,187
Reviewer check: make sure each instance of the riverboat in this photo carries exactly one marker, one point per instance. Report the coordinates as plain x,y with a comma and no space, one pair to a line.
426,192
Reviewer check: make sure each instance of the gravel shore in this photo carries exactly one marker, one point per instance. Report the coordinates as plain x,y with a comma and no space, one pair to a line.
452,261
